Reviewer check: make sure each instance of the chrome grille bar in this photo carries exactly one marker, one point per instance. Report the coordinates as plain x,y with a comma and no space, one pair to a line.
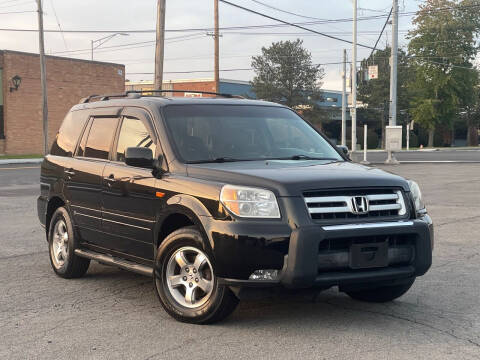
387,204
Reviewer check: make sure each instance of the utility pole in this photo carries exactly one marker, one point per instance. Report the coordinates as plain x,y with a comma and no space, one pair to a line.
353,110
393,67
159,48
391,130
344,98
43,77
216,37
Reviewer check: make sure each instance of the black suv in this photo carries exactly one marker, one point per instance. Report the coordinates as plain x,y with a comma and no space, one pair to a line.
214,196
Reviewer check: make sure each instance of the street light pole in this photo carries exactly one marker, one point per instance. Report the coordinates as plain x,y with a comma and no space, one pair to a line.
43,77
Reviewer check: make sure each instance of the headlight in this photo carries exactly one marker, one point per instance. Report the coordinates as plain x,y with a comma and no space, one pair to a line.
417,195
250,202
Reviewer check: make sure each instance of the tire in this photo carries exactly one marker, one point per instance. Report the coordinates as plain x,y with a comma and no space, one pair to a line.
381,294
61,247
185,281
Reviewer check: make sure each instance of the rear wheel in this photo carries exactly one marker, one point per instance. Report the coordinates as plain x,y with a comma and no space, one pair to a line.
62,244
185,280
381,294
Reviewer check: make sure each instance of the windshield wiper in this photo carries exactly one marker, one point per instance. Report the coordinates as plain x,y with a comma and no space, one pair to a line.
302,157
216,160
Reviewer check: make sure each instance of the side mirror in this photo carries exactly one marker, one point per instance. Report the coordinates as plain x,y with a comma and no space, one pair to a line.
343,149
139,157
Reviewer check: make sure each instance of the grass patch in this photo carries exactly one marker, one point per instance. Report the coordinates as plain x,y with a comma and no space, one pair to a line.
27,156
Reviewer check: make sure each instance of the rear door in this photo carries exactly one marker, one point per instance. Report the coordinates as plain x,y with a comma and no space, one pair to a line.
83,182
128,195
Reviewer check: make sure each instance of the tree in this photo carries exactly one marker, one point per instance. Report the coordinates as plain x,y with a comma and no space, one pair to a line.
442,47
375,93
285,73
472,114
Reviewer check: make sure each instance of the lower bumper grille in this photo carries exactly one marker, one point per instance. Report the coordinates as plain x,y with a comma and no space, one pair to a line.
335,254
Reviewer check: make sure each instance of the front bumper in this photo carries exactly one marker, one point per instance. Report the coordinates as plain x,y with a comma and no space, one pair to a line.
301,268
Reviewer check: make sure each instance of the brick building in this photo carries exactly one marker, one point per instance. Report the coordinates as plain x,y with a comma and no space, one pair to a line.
68,80
234,87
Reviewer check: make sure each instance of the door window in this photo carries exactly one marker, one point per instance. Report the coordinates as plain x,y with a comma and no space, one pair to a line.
99,138
133,133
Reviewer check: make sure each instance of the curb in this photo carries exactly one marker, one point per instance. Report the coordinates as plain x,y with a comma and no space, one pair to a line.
20,161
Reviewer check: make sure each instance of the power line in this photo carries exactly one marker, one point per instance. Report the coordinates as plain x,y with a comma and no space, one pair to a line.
285,11
291,24
381,32
59,26
17,12
209,29
8,1
13,5
126,46
209,71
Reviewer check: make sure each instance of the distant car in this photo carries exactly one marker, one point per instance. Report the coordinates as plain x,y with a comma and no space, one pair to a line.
214,196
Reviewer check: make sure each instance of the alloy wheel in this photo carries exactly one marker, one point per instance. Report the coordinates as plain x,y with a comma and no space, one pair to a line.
60,243
189,277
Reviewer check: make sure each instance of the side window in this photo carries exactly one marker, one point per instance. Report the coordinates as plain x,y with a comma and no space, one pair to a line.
99,138
66,140
133,133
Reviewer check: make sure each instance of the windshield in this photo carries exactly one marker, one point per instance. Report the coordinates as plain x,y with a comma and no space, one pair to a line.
218,133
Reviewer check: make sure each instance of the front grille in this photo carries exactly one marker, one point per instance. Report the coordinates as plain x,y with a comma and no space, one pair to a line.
355,204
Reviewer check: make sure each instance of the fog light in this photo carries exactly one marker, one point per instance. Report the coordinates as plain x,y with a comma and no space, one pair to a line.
268,274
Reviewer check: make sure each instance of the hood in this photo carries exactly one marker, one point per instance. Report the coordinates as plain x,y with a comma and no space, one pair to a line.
292,177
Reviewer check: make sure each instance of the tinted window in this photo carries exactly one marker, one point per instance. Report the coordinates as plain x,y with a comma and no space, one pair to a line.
100,138
67,136
133,133
209,132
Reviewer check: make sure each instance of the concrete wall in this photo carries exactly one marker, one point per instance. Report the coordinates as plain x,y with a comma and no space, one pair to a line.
68,80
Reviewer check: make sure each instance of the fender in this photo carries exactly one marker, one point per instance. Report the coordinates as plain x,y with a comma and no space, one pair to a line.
192,208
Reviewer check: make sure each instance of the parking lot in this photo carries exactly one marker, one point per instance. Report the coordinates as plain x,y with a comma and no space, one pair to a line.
114,314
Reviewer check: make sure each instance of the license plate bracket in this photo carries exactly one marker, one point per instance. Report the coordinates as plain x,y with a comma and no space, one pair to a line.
368,255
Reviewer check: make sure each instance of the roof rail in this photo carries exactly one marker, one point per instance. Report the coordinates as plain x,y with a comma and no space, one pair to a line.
184,91
137,93
101,97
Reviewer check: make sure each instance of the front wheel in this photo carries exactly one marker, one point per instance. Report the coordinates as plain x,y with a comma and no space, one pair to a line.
185,281
381,294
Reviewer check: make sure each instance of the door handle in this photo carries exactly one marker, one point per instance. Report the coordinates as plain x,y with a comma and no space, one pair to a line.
70,172
110,179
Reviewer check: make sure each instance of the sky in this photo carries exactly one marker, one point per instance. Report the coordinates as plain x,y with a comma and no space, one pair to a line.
193,50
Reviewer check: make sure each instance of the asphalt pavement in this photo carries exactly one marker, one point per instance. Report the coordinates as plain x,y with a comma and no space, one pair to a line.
113,314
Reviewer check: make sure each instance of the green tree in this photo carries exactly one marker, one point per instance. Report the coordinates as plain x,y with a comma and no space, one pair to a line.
472,115
376,92
442,47
284,72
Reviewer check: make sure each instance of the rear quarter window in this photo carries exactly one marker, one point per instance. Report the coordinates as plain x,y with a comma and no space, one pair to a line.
67,137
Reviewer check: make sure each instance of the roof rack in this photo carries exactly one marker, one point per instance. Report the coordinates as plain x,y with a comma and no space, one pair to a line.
184,91
101,97
138,93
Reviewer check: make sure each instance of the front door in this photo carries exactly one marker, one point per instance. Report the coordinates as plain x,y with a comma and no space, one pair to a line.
129,192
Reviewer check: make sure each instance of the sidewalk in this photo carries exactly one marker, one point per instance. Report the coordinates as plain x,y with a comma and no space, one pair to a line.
21,161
